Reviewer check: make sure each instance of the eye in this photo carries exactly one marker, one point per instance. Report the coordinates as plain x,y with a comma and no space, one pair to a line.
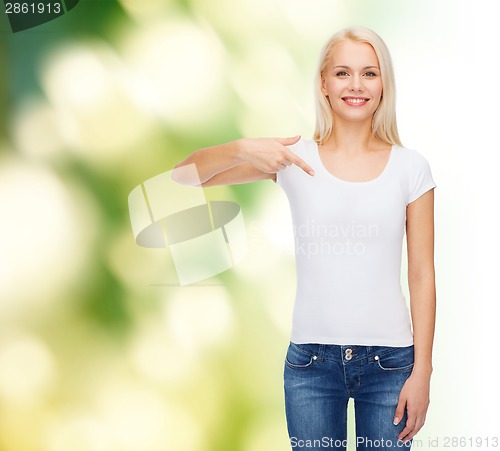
341,73
371,74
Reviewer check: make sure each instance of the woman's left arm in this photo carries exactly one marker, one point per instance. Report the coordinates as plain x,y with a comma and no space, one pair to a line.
421,282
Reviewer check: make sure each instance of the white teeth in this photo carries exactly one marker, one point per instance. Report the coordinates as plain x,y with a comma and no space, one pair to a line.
355,100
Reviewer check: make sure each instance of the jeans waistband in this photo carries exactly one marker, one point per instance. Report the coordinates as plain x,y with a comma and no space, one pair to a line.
345,353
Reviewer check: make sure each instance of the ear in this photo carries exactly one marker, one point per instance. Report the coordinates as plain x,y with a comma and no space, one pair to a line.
323,88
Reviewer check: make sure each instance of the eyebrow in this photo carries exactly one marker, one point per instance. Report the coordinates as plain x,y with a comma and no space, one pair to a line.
367,67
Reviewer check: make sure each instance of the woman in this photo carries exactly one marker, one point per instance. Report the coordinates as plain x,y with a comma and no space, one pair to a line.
352,191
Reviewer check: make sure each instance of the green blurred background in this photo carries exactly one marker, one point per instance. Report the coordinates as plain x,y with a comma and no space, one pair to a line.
100,348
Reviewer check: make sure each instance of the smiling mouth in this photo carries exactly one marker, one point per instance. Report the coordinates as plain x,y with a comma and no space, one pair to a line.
355,100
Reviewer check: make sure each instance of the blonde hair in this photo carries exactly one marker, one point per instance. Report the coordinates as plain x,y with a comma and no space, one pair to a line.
384,124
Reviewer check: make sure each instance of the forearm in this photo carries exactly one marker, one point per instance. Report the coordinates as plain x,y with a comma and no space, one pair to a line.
209,161
423,311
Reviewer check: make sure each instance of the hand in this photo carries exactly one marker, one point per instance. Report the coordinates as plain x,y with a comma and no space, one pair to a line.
415,395
271,154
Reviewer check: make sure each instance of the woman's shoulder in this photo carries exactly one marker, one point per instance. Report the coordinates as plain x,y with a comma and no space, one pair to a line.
412,162
412,155
303,146
407,153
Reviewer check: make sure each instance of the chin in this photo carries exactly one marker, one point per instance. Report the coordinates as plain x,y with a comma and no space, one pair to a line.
354,117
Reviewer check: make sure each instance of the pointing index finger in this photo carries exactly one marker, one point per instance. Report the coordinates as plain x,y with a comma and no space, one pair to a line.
295,159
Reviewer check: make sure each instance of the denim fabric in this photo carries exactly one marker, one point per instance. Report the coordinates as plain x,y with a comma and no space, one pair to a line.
319,379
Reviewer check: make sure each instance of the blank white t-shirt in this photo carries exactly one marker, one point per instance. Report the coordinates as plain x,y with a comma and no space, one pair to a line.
348,246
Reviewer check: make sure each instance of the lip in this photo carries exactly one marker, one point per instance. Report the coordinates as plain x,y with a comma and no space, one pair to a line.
345,99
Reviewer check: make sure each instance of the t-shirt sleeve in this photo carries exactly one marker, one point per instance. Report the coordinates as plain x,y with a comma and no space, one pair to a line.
282,175
420,180
278,178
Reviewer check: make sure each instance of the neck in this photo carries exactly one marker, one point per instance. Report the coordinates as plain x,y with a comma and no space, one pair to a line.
351,137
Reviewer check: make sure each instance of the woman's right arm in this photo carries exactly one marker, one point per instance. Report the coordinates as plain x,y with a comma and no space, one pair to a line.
241,161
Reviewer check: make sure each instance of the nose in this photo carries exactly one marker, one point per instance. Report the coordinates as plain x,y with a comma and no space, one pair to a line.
356,84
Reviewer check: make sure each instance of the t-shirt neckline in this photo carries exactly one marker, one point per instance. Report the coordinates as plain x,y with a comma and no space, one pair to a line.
348,182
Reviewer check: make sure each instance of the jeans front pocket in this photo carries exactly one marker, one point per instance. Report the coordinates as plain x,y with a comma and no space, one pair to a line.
299,357
396,359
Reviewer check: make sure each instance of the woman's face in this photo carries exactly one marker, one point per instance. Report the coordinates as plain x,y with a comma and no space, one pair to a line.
352,81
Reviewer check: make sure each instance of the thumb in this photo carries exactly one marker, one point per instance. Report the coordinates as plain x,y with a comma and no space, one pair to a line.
288,141
400,411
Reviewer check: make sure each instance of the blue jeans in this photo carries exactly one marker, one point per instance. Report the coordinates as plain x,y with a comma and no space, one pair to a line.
319,379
